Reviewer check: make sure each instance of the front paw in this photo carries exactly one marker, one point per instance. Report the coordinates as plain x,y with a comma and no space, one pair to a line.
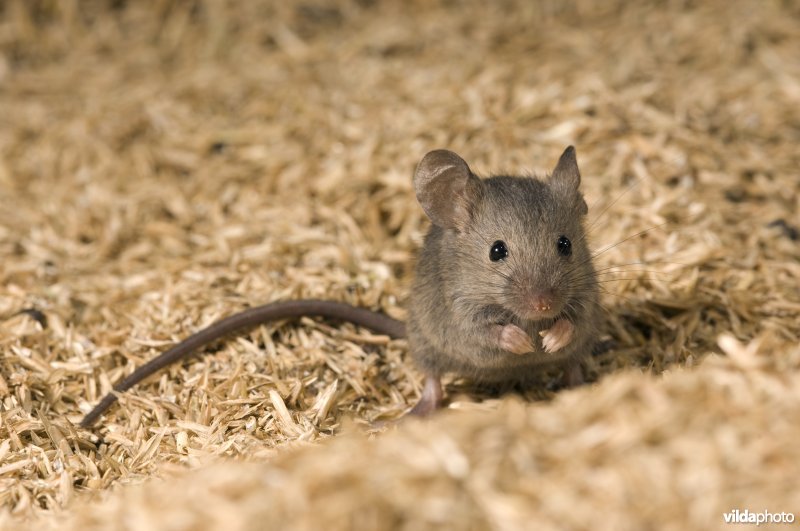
558,336
514,339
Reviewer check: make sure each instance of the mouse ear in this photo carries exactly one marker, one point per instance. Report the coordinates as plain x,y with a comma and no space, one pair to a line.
446,189
566,178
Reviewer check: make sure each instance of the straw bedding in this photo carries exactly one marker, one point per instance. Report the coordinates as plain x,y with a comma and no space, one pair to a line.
167,163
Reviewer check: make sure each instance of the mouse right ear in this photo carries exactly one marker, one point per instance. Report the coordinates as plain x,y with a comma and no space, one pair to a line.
446,189
566,178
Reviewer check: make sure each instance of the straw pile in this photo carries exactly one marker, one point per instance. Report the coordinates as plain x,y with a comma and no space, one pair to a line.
167,163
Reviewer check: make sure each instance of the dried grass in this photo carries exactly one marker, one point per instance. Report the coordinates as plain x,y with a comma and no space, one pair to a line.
165,163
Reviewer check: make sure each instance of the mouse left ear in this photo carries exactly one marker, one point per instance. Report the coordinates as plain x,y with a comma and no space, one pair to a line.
566,178
447,189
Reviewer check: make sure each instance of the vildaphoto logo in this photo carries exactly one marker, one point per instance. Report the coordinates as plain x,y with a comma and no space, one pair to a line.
746,516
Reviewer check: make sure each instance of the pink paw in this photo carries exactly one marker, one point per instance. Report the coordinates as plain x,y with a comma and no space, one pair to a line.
514,339
558,336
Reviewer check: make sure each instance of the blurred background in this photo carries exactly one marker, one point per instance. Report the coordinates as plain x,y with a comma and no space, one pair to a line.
159,115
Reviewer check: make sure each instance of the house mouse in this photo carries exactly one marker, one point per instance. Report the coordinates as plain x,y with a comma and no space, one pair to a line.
504,284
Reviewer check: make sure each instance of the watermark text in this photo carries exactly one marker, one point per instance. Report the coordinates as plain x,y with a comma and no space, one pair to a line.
746,516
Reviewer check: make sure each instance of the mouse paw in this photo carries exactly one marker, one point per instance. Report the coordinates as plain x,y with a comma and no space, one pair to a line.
514,339
558,336
573,375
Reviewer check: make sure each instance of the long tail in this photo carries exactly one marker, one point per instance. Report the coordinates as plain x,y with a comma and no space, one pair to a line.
259,315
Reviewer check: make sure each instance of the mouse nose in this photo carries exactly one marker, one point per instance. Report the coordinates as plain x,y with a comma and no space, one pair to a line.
541,302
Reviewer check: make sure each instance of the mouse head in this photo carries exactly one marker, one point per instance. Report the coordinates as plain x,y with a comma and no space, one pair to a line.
514,242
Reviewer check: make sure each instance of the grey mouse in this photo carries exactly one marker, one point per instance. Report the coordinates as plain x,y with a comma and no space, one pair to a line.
504,284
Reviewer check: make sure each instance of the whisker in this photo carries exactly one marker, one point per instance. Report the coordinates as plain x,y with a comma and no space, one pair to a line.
588,229
598,253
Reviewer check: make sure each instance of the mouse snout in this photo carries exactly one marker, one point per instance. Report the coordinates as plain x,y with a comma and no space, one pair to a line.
537,305
541,302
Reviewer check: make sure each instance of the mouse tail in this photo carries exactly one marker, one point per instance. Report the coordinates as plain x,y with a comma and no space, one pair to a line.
250,318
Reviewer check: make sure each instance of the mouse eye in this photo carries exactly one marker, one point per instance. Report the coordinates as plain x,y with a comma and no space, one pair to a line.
498,251
564,246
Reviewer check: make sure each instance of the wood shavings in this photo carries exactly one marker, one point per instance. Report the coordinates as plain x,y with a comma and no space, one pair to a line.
165,164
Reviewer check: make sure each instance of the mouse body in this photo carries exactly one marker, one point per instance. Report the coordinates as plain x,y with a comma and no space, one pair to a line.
503,285
504,282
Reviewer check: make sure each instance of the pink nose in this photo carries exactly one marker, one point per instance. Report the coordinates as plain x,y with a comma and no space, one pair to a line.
541,302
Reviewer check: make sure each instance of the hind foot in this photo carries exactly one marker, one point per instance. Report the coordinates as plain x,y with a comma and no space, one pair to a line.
431,398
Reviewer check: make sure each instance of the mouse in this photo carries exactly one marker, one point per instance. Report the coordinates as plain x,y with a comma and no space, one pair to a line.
504,282
503,285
